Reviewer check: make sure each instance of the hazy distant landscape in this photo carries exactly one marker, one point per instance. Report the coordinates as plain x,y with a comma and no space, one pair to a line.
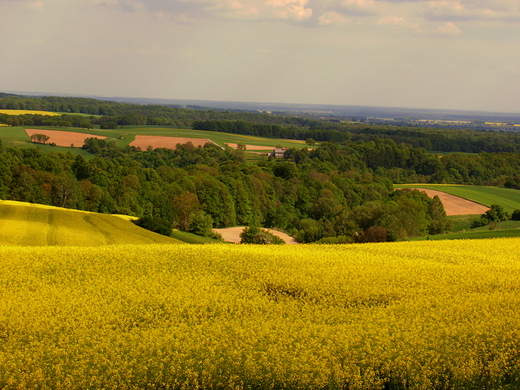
323,110
156,158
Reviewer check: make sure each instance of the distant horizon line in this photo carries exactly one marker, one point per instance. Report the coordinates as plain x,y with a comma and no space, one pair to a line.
270,105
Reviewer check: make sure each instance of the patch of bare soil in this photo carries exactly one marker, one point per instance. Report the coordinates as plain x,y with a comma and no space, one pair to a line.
455,205
64,138
232,234
145,141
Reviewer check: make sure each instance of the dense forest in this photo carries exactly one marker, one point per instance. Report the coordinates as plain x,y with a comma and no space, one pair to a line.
341,191
335,193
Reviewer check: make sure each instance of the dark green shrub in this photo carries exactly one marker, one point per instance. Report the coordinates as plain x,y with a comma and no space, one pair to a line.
201,224
255,235
496,213
372,234
157,225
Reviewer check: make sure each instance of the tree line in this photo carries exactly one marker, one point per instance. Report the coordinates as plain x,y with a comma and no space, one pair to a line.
334,193
464,141
48,121
108,114
310,194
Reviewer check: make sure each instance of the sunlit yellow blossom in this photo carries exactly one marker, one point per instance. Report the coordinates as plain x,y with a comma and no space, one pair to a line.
416,315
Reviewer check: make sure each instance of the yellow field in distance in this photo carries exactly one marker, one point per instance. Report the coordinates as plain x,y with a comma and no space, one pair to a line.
23,112
27,224
412,315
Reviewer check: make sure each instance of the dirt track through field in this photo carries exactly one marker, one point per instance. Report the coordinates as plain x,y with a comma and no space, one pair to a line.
455,205
233,234
64,138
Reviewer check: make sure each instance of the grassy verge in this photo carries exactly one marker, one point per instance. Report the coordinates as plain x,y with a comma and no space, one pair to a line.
462,222
461,230
473,235
191,238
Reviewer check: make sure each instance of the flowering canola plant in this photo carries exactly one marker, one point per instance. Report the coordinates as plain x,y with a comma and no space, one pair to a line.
30,112
421,315
28,224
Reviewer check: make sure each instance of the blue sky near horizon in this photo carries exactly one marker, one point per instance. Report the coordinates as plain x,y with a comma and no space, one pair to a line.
439,54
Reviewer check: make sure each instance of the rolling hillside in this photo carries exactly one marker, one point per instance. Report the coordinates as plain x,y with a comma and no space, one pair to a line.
29,224
506,197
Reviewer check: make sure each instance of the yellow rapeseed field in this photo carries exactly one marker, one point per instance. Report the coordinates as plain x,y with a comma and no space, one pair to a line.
421,315
30,112
29,224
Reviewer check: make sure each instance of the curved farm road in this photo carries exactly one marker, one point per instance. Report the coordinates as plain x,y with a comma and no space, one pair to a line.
232,234
455,205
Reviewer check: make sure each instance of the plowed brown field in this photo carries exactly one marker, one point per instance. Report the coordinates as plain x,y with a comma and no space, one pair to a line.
455,205
64,138
145,141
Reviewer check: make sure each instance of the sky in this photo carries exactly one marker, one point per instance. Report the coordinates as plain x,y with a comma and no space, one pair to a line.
439,54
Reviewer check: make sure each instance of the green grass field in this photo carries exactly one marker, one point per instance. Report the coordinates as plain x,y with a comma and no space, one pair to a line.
29,224
129,133
506,197
461,223
17,137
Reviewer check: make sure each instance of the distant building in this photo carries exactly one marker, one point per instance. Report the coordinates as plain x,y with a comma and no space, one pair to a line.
278,152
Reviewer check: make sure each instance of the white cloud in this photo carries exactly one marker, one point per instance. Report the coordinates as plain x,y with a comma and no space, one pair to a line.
289,9
361,7
468,10
332,18
328,12
395,21
449,28
443,29
493,5
226,9
125,5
